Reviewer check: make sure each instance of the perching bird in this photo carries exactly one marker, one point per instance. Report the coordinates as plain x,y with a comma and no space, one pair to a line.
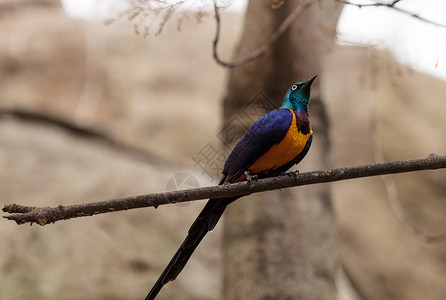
272,145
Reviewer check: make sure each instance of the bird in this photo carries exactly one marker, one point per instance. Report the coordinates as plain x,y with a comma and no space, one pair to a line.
272,145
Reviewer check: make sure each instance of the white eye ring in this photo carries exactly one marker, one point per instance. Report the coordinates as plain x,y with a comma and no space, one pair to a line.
294,87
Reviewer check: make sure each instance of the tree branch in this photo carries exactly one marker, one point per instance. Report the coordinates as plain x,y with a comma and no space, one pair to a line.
392,5
42,216
265,47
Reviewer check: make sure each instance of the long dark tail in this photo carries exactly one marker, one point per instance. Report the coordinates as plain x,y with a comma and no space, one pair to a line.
204,223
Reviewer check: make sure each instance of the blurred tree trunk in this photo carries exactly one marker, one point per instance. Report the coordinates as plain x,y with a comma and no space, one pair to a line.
281,245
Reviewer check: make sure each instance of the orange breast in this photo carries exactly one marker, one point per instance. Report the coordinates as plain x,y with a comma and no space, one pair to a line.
291,145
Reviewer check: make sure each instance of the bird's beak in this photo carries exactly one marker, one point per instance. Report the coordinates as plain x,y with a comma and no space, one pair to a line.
309,82
306,87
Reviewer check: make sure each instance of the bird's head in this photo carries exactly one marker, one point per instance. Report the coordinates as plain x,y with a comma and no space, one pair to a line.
298,95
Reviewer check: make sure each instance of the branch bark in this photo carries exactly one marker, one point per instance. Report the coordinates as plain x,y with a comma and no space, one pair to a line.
45,215
300,9
392,5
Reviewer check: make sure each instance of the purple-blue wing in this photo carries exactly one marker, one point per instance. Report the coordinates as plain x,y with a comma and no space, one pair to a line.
267,131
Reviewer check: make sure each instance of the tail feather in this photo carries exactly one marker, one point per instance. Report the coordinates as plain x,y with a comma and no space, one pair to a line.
205,222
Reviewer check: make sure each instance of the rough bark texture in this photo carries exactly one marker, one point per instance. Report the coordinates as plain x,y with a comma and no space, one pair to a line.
281,245
22,214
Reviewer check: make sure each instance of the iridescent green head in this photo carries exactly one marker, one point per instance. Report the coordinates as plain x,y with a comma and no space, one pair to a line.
298,96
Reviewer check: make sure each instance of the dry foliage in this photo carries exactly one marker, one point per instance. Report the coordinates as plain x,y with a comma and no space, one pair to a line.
152,15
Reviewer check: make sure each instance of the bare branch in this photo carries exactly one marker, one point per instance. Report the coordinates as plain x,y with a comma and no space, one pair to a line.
147,13
265,47
392,5
42,216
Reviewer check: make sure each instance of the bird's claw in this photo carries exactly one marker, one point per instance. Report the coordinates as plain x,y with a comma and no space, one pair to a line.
250,178
294,174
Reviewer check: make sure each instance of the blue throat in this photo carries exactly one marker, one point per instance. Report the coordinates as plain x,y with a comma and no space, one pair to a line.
297,104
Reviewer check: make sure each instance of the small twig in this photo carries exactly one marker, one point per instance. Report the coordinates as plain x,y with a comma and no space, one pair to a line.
392,5
42,216
265,47
369,4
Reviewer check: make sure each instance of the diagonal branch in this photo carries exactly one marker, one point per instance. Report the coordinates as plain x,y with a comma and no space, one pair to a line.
300,8
42,216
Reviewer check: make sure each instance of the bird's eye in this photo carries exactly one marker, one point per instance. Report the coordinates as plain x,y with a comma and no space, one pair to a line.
294,87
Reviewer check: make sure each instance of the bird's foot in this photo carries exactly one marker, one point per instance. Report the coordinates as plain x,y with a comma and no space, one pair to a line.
250,178
294,174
